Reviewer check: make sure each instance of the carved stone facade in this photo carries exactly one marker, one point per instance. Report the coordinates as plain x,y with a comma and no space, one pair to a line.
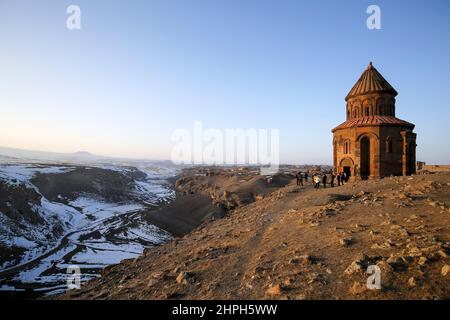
372,142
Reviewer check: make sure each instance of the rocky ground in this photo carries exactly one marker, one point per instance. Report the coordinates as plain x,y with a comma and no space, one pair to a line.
301,243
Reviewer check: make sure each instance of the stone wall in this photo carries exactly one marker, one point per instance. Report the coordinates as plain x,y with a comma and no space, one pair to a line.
388,155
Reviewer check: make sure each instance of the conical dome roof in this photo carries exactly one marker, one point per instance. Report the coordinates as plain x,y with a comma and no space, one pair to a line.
370,81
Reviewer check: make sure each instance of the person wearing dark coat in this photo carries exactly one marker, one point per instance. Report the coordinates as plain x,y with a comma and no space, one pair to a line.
299,178
342,178
332,180
324,181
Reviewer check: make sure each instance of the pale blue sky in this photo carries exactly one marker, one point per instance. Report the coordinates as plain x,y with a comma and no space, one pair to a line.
140,69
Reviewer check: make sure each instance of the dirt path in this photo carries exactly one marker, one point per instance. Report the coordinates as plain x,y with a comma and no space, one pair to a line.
13,271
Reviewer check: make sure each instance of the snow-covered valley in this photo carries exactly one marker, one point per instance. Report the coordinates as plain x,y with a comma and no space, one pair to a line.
56,216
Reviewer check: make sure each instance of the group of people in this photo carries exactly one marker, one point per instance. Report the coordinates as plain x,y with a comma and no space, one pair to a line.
300,177
341,178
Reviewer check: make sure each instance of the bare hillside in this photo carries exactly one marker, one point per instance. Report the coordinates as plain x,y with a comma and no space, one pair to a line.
302,243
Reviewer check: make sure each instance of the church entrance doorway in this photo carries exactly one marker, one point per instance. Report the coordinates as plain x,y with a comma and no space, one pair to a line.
348,172
346,166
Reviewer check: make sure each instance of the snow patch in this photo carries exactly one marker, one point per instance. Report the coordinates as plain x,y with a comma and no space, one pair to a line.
22,174
23,243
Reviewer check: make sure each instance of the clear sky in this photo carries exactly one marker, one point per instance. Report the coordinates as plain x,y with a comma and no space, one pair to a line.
137,70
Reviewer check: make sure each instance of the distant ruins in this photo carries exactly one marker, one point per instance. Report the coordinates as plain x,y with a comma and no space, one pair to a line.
372,142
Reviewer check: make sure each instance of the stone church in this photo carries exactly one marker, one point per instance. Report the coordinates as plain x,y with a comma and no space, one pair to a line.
372,142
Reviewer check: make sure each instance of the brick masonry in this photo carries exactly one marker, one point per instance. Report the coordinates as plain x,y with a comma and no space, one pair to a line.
372,142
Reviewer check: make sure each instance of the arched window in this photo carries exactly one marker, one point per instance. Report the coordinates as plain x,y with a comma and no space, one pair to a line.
357,109
346,147
389,146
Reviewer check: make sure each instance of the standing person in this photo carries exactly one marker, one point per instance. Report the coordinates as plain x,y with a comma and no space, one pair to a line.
324,180
300,176
342,178
316,181
306,176
338,179
332,179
